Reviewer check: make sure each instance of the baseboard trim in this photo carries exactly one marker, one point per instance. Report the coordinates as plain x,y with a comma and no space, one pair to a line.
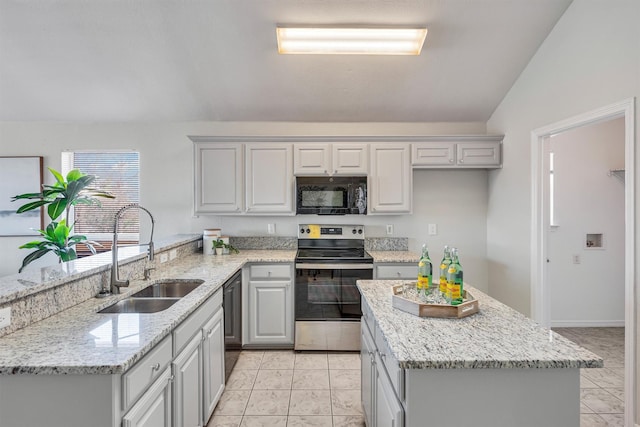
587,324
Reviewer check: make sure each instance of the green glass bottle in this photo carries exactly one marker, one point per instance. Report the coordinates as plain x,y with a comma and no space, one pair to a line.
455,290
444,266
425,271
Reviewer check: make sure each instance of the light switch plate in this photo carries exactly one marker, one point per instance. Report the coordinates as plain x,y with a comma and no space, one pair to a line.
389,229
173,253
5,317
433,229
271,228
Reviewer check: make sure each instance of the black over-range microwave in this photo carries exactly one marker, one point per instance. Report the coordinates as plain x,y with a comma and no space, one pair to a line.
325,195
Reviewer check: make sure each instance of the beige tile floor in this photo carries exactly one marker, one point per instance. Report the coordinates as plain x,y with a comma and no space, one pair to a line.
289,389
601,389
317,389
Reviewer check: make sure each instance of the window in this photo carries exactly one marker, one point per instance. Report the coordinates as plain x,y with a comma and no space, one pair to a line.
119,173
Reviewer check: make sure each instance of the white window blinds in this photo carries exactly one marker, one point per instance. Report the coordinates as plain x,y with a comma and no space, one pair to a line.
119,173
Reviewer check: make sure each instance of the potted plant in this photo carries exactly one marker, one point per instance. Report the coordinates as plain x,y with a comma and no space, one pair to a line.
58,200
219,245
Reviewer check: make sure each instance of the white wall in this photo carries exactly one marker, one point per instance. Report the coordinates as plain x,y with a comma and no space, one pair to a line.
589,60
587,200
456,201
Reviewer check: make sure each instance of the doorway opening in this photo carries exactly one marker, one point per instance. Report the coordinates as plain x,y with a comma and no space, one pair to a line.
541,223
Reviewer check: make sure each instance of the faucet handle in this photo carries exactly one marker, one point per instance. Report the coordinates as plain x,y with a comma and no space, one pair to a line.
147,273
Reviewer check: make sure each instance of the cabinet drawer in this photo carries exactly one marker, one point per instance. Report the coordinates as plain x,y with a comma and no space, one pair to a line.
407,271
270,271
138,379
187,329
396,375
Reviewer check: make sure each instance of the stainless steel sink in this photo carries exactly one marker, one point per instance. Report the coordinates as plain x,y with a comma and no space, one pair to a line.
140,305
169,288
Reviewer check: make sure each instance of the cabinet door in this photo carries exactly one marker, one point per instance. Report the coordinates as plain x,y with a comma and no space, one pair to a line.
213,358
391,180
270,312
187,385
154,407
269,178
478,154
388,411
367,372
350,159
311,159
440,153
218,178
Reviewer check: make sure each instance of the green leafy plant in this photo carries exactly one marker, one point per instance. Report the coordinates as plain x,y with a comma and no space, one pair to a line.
219,243
58,198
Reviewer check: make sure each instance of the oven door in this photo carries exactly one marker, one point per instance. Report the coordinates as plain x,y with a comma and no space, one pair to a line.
327,305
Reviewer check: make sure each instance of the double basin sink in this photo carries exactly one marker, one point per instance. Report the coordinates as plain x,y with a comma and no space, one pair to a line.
154,298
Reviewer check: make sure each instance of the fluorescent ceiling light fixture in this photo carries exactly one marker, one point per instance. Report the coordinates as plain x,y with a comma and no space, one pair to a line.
350,41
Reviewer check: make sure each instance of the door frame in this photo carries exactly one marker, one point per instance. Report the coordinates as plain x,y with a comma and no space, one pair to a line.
540,301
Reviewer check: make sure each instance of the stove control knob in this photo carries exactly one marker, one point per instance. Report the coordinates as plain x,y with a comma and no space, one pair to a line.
359,230
308,231
353,231
302,231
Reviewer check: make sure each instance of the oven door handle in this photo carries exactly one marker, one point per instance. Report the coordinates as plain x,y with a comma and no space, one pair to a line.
337,266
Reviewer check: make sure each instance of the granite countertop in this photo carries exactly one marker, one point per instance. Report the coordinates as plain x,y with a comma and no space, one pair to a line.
394,256
496,337
81,341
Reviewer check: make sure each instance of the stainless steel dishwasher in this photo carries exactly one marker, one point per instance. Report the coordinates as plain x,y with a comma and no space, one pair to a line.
232,304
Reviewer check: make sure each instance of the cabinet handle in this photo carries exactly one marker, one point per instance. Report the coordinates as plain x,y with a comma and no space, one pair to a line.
383,356
156,367
450,160
325,171
398,273
170,379
269,273
461,160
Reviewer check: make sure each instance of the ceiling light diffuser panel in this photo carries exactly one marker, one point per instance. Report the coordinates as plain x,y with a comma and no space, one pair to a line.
350,41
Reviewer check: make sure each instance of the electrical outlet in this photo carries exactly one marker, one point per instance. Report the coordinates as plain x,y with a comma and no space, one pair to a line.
271,228
5,317
173,254
389,229
433,229
164,257
576,259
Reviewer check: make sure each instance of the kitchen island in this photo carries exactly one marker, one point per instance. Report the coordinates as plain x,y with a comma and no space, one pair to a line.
494,368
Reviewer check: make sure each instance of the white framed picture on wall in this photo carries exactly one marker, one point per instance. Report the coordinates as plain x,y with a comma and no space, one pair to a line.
19,175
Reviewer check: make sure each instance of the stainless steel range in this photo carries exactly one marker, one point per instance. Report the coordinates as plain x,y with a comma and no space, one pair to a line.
330,259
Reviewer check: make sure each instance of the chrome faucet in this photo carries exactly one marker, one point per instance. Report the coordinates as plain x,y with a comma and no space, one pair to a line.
116,283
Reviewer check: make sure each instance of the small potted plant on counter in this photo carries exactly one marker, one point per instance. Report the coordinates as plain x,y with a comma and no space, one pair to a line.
59,198
219,246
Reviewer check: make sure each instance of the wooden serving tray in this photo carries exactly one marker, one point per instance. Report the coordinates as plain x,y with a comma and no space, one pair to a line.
467,308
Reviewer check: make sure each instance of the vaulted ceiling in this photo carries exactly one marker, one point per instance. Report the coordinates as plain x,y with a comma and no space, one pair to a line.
182,60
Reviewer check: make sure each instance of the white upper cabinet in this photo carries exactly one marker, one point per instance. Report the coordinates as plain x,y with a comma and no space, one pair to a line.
391,179
458,152
269,176
312,159
218,178
330,159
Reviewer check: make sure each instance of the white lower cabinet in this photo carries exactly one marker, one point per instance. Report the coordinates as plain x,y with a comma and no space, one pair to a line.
187,395
268,315
213,363
367,374
388,411
154,407
199,366
380,402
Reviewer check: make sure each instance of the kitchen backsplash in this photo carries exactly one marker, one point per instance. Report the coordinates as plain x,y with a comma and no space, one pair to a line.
386,243
264,242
